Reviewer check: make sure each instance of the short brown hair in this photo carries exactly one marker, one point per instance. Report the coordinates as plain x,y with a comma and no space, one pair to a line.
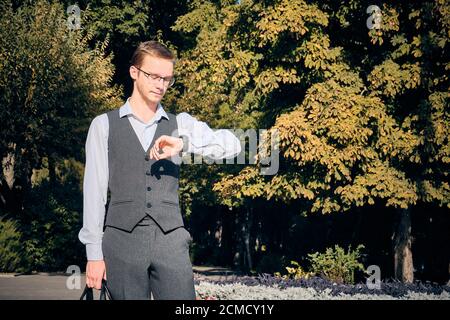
152,48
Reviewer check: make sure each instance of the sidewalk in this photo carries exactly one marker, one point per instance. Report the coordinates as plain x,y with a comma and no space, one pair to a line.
53,286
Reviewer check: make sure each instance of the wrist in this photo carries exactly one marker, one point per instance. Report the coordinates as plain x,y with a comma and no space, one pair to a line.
184,143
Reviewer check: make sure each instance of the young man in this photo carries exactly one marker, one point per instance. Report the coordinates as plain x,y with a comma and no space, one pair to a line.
144,248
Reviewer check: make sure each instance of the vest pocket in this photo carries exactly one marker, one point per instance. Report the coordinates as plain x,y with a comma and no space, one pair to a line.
169,202
119,202
123,214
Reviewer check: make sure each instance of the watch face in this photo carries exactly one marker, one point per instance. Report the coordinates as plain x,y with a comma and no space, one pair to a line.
185,143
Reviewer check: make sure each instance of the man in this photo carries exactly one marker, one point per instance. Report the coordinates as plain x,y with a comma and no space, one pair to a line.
142,247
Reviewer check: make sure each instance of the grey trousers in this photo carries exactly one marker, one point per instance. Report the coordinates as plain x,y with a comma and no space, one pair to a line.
148,262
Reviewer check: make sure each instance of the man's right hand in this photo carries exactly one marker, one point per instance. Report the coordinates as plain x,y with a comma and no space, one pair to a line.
95,272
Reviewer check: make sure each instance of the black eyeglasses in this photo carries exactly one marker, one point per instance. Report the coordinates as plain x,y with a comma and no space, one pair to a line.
168,81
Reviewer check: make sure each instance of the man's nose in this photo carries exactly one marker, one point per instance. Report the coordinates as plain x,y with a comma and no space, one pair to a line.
160,84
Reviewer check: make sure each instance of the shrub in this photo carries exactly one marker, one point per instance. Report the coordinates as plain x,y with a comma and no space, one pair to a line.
337,265
10,246
295,272
51,221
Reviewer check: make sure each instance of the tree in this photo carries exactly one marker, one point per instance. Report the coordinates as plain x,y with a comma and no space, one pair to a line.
361,114
51,85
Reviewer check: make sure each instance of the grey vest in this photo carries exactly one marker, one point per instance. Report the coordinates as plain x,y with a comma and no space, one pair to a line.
140,186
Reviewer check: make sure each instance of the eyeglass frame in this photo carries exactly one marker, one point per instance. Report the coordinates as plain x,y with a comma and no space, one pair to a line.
153,76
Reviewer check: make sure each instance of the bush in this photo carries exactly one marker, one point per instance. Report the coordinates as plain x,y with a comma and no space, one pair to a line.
337,265
295,271
51,221
10,246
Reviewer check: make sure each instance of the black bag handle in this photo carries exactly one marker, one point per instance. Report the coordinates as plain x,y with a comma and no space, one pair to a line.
104,292
88,293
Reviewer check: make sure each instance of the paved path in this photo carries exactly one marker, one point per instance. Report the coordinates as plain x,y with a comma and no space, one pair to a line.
55,286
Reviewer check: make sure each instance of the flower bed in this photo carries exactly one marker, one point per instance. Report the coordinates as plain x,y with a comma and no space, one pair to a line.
269,287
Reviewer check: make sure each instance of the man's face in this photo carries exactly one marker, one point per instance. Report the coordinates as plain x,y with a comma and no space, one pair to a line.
152,90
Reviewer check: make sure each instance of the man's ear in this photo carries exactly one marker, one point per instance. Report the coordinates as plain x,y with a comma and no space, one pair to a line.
133,72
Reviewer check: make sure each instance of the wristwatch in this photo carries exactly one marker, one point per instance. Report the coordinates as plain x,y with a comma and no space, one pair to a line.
185,144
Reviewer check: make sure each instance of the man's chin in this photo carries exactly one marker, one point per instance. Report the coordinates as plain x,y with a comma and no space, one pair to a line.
154,98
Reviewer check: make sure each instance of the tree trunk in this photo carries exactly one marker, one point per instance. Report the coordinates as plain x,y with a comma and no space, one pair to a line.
237,259
448,283
357,228
52,170
403,262
9,194
247,239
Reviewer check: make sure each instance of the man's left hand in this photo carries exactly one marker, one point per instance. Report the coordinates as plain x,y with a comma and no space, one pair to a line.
169,146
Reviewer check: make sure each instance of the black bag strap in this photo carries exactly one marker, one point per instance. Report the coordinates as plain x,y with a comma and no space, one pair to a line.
104,292
88,293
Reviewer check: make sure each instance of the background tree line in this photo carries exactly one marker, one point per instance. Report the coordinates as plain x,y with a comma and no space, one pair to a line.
362,117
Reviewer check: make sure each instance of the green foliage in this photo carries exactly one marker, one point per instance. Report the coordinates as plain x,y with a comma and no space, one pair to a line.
361,114
295,271
11,254
119,18
371,125
59,81
337,265
59,84
52,219
241,57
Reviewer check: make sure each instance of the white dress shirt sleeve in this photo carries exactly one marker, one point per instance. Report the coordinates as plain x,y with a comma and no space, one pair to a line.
95,187
214,144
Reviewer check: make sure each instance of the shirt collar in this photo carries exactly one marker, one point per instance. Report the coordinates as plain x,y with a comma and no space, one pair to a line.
126,110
